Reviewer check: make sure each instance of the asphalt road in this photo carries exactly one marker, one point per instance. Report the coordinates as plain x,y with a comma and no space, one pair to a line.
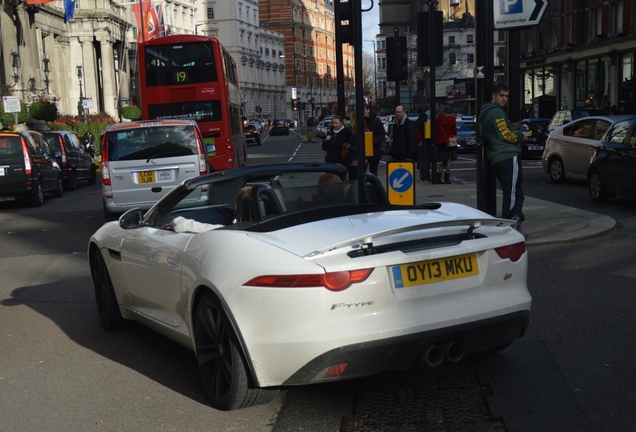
59,370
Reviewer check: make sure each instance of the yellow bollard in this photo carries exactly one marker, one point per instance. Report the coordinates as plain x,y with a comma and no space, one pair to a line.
309,134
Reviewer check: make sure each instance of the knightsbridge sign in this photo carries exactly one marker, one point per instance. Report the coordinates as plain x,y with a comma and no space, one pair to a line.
510,14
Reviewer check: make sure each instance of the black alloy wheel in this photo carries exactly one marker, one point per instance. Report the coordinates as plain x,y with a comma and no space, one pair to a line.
93,177
221,365
59,191
37,197
107,305
557,170
595,186
71,181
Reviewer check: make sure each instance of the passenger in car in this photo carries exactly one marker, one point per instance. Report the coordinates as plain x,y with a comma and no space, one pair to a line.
181,224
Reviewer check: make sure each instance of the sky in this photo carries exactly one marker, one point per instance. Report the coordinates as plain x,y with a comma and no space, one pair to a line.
370,21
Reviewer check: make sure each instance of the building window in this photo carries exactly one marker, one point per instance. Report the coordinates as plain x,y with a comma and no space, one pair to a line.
596,22
617,18
470,58
452,59
266,52
210,13
451,40
470,38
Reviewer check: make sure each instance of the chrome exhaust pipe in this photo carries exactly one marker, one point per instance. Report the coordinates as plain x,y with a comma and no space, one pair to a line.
455,351
432,355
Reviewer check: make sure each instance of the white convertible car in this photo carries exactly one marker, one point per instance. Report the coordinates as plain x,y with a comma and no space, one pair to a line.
307,279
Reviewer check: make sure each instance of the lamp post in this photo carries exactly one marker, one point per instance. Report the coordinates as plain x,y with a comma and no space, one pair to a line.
375,72
80,104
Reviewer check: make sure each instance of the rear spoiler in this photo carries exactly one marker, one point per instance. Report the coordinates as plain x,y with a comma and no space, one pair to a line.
471,224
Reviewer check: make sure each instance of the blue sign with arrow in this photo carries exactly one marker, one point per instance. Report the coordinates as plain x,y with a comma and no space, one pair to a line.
401,183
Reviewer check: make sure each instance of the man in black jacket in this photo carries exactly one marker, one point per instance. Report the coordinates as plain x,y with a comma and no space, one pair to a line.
403,148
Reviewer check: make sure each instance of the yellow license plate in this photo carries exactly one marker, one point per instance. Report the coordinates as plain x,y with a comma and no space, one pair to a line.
146,177
456,267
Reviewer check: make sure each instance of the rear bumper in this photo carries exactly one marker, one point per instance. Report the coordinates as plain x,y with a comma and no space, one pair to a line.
403,352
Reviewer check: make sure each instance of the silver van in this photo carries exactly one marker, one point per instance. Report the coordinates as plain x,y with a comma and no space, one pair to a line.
142,161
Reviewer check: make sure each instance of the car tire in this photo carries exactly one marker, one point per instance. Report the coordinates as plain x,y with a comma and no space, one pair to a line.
221,365
59,191
595,187
107,306
37,197
557,170
71,182
93,177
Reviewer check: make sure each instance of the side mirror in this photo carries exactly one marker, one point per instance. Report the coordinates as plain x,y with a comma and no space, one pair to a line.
90,148
210,148
132,219
57,154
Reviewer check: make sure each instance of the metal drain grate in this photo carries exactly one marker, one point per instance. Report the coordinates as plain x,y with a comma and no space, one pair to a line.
445,398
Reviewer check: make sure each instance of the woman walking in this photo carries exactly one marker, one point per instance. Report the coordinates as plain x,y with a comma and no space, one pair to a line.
446,127
337,138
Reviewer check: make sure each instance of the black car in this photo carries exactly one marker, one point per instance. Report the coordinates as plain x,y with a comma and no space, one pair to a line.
251,134
538,134
279,127
28,168
76,160
612,170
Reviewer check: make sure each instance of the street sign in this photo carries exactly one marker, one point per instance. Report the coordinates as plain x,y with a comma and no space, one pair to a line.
87,103
11,104
450,96
510,14
400,182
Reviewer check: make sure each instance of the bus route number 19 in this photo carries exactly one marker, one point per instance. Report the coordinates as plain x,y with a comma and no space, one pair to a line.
182,76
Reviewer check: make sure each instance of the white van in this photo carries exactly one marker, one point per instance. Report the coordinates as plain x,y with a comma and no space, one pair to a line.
142,161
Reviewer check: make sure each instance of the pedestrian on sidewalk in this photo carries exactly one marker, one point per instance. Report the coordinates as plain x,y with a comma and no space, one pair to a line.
403,147
424,144
446,127
374,124
337,138
503,150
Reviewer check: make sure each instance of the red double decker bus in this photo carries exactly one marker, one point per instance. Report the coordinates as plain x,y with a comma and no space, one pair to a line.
194,77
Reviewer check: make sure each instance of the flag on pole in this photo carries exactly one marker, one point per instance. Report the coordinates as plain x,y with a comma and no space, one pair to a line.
140,9
69,10
155,27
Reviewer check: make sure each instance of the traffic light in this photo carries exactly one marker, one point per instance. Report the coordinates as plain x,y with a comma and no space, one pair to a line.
295,104
424,45
344,13
397,59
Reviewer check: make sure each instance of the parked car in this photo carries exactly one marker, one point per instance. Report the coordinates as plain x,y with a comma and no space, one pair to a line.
612,170
144,160
76,159
563,117
28,168
447,280
538,134
279,127
466,135
323,127
252,134
568,149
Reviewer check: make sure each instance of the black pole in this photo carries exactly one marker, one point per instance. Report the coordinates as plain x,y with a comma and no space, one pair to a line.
356,27
484,83
396,62
432,32
340,93
513,75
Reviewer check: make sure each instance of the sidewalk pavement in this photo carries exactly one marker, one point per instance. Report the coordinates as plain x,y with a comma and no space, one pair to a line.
545,223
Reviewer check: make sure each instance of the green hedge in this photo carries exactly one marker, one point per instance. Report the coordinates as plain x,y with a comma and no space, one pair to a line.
131,112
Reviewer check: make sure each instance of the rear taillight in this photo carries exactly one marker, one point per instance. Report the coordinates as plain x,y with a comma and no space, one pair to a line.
27,159
335,281
512,252
203,160
61,143
105,172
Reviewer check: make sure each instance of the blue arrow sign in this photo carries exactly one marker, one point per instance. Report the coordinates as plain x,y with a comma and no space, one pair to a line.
400,180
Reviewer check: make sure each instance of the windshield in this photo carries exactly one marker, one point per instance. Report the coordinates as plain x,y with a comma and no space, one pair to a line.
150,143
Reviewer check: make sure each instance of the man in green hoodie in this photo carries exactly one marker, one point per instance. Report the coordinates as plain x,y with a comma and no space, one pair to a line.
504,152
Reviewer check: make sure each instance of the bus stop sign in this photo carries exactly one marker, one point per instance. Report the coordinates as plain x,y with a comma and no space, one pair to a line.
510,14
400,183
